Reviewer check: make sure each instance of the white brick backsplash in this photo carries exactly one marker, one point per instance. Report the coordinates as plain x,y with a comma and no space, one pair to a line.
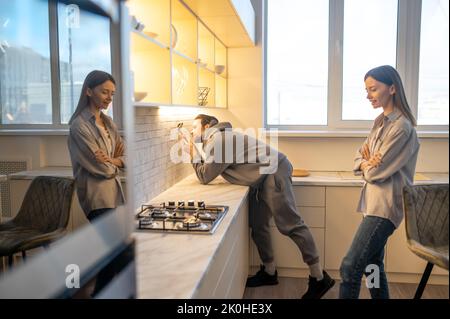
153,169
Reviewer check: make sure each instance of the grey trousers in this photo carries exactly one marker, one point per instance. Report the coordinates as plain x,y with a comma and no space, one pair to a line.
275,197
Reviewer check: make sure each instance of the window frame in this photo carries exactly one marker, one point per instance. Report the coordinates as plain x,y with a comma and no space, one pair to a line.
57,127
407,64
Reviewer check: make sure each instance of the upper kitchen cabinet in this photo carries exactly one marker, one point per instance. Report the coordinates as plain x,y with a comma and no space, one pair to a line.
176,58
232,21
184,31
152,18
149,64
206,47
221,69
150,51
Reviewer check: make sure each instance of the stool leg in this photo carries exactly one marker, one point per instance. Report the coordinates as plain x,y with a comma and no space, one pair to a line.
10,260
24,254
423,281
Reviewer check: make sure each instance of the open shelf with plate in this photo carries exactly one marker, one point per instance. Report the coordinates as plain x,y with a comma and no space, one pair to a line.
206,47
153,17
184,81
175,58
206,87
149,63
183,31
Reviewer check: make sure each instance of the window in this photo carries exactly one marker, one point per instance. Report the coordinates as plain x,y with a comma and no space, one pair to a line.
433,69
298,70
77,54
317,53
25,75
32,94
366,44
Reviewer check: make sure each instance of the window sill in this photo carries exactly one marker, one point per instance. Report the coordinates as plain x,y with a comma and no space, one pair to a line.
349,133
38,132
34,132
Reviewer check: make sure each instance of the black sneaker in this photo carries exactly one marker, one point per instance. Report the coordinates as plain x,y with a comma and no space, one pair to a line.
262,278
318,288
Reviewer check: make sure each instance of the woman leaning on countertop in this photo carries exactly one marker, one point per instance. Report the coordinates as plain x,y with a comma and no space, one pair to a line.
387,161
96,147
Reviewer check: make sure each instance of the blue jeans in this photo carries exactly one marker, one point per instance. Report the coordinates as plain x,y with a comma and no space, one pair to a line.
367,249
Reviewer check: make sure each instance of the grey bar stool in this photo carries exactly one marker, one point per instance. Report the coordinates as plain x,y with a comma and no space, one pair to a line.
42,218
426,220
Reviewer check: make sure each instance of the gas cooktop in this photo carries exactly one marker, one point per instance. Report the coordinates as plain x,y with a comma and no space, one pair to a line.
190,217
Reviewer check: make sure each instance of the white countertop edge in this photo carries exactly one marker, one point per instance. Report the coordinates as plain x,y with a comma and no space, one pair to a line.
358,133
333,179
56,171
40,132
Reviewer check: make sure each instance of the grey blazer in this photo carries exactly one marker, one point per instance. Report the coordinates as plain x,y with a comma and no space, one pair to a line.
98,184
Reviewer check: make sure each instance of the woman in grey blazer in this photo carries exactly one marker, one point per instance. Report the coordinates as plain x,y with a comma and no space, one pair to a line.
96,147
387,162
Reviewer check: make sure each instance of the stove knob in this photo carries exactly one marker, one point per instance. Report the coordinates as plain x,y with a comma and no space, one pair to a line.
191,203
180,204
201,204
171,203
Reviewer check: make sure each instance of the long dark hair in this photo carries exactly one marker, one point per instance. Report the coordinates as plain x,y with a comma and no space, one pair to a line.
93,79
389,76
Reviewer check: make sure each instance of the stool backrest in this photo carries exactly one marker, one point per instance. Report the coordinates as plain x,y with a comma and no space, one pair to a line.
426,214
47,203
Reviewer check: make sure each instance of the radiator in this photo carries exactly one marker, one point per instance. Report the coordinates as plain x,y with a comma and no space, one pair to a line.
9,167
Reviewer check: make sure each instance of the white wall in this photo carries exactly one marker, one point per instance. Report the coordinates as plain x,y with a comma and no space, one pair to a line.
40,150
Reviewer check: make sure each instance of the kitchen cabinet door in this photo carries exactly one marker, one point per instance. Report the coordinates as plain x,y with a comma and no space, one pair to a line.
287,254
314,217
228,270
342,221
311,196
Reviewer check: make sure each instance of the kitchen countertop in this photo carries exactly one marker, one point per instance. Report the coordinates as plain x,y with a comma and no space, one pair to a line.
171,265
317,178
57,171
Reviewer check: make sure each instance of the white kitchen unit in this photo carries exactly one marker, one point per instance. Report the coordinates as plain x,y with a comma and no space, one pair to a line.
311,203
228,269
342,221
327,201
